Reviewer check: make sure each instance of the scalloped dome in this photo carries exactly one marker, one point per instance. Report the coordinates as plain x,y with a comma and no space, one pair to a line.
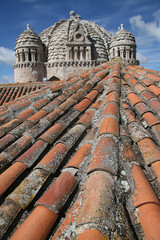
28,38
122,37
57,36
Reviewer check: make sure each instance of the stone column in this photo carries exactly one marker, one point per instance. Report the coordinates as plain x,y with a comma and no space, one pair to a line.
81,53
88,53
127,53
17,59
76,53
33,55
121,53
26,52
132,53
21,56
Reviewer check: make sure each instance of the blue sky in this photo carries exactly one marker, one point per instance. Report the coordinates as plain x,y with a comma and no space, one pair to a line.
141,17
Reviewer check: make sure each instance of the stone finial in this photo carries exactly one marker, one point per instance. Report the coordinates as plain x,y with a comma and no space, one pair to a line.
72,14
119,28
28,26
78,17
122,26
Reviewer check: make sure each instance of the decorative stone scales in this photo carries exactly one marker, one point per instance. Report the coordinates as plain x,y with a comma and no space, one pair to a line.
69,47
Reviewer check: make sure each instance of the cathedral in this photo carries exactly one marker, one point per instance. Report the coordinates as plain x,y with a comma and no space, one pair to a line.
79,138
67,48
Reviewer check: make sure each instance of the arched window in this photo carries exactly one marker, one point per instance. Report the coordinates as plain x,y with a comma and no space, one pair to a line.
124,53
118,52
36,58
29,55
23,56
113,52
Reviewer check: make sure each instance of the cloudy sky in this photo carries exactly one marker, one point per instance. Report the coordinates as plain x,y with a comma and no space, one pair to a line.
141,17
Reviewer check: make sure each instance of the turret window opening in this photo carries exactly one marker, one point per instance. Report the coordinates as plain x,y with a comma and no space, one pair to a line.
113,52
36,55
18,57
29,55
23,56
84,53
118,52
78,54
124,53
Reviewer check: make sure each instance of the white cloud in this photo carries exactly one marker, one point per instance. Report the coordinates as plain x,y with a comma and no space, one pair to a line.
7,56
141,58
152,29
7,79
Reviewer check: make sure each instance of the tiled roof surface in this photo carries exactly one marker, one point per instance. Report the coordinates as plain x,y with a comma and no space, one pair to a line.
80,159
12,91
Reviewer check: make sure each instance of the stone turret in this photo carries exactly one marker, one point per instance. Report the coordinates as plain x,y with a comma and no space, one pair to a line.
123,44
29,57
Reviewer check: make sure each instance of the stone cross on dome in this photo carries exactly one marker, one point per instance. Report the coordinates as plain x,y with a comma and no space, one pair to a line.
78,17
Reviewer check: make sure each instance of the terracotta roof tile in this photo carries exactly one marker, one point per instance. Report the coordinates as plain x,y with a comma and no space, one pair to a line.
142,108
152,219
109,125
147,82
156,131
10,175
143,192
112,97
151,119
52,133
17,147
147,95
99,184
10,125
83,105
9,211
153,78
78,158
26,114
6,141
105,156
52,117
37,225
86,119
138,132
155,105
133,98
155,89
25,192
92,234
149,150
30,156
51,161
57,194
111,109
156,168
130,115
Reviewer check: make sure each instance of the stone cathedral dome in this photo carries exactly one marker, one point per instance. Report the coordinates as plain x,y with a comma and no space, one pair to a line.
82,34
121,37
69,47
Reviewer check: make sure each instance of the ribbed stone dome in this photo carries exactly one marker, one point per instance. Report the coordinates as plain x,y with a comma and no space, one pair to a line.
57,36
122,37
28,38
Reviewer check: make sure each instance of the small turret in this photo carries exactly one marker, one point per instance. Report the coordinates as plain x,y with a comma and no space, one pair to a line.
29,57
123,44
